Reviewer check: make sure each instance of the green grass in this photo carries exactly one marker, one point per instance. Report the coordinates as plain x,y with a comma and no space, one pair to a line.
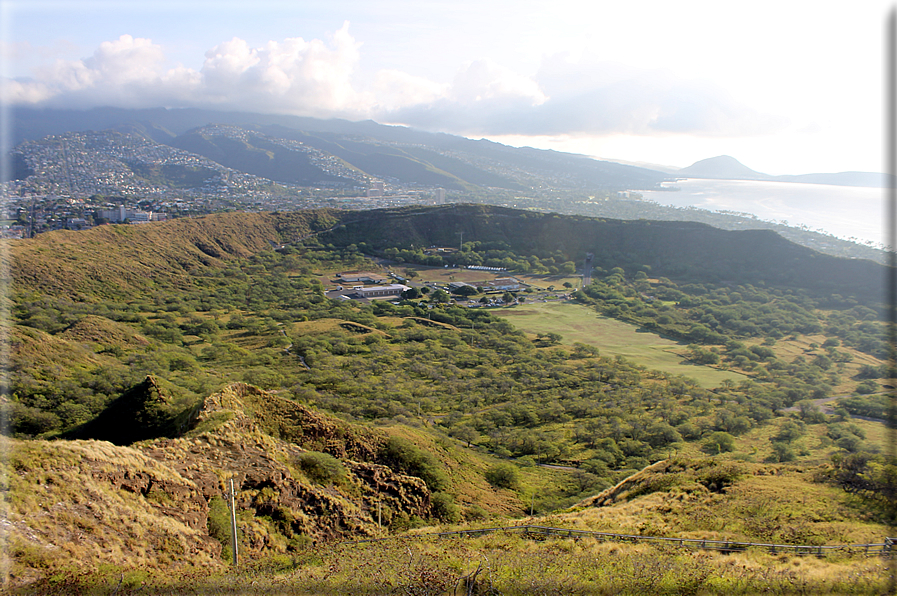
578,323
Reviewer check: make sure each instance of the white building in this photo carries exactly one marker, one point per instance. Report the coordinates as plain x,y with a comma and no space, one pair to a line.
380,291
120,214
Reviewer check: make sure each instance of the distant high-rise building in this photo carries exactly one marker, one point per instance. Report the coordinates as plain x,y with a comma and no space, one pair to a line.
121,214
376,190
440,196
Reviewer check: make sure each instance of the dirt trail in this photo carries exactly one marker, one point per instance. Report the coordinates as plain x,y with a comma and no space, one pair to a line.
828,411
819,402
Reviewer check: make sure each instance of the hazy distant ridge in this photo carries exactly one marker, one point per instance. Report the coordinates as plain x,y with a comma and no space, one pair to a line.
390,152
725,167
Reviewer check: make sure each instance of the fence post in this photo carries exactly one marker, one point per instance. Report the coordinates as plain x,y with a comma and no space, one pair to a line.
233,519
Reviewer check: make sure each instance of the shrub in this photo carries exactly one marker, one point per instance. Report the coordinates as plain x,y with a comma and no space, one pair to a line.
689,431
718,477
719,442
867,387
322,468
219,525
789,431
444,507
414,461
503,476
782,452
475,513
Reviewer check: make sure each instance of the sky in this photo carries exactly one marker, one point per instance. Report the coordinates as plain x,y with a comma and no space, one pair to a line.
784,87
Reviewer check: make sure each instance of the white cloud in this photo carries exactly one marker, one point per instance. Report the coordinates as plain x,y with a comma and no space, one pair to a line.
127,72
394,89
568,95
295,76
484,97
484,81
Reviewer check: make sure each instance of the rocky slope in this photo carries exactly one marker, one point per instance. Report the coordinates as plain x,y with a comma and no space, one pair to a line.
158,502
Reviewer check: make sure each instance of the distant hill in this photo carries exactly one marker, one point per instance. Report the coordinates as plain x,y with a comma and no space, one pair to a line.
255,155
123,261
342,153
725,167
678,250
721,168
394,153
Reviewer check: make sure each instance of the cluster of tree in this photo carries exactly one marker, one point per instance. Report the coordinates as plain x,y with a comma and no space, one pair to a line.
463,370
870,476
486,254
706,314
871,406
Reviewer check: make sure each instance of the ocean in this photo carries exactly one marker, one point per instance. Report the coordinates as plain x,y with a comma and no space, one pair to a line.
848,212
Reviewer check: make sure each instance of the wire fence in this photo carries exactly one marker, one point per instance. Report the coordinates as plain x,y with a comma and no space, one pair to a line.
881,549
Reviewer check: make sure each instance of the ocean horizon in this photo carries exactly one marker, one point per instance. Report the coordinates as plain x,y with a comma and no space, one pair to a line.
847,212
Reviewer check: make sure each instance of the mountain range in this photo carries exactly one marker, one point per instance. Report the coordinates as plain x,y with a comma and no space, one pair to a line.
308,152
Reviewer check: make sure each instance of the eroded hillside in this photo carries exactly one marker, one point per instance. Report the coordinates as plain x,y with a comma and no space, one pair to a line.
158,502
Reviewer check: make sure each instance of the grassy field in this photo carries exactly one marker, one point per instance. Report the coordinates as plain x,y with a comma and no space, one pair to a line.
581,324
503,564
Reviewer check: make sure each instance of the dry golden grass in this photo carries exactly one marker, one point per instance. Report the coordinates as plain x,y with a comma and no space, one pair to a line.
103,332
63,514
466,470
728,500
509,565
789,349
118,261
47,352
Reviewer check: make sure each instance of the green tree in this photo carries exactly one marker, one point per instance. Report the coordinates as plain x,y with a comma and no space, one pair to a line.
465,433
719,442
440,296
503,476
789,431
782,452
465,291
867,387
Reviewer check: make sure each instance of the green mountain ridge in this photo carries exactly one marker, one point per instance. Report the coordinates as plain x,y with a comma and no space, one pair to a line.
672,249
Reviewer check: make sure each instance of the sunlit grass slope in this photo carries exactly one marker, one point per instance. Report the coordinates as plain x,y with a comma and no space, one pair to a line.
577,323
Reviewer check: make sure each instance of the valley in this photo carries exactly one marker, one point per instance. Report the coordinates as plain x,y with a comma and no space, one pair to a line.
161,360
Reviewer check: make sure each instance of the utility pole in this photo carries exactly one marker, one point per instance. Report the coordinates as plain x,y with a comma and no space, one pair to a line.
233,519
